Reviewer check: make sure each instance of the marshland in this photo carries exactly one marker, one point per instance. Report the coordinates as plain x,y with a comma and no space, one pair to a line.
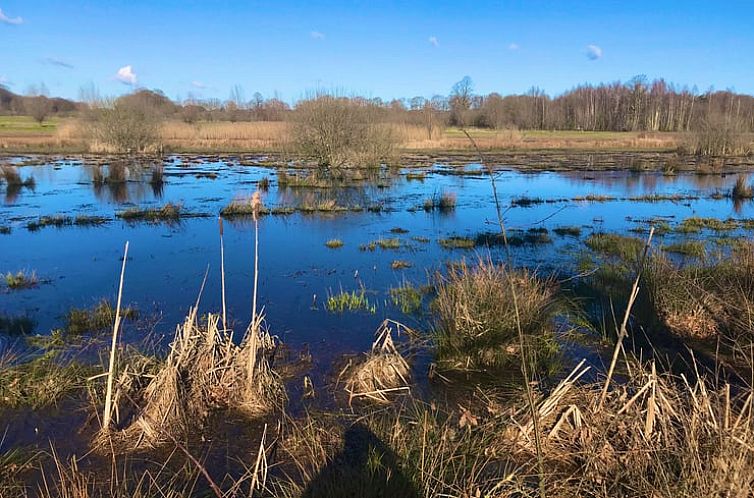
490,290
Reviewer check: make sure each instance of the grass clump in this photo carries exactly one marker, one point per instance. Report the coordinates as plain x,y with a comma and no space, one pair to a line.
42,381
696,224
742,189
694,248
571,231
477,323
57,221
334,243
96,320
21,280
457,242
390,243
13,178
443,202
349,301
84,220
399,264
4,230
169,212
383,372
627,248
407,298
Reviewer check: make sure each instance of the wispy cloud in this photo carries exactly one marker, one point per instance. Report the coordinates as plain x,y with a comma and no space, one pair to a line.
513,47
593,52
317,35
199,85
10,20
126,75
57,62
4,81
434,41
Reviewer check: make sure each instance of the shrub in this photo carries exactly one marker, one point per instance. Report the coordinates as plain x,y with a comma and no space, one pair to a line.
338,131
719,135
128,125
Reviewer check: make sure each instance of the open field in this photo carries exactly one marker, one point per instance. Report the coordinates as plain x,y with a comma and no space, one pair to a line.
22,134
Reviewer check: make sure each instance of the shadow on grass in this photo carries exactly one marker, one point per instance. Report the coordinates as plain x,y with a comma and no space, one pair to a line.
365,467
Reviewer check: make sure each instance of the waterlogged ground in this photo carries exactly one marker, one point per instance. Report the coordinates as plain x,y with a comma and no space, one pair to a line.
79,265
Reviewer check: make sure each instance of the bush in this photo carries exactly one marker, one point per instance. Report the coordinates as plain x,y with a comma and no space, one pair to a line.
477,319
128,125
338,131
719,135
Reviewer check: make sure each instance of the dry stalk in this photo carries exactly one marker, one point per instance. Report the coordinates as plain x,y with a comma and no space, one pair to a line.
624,324
111,368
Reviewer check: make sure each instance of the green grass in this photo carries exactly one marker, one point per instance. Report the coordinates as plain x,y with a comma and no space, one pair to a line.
334,243
696,224
695,248
57,221
457,242
391,243
349,301
26,125
96,320
43,381
407,298
621,246
169,212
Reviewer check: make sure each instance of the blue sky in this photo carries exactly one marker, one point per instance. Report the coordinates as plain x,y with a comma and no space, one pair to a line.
378,49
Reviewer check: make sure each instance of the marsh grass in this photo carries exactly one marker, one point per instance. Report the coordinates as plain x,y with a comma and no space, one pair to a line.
95,320
742,189
400,264
478,323
620,246
349,301
264,184
334,244
22,279
457,242
170,213
12,178
383,372
41,381
85,220
382,243
5,230
444,202
568,231
693,248
57,221
407,298
696,224
157,175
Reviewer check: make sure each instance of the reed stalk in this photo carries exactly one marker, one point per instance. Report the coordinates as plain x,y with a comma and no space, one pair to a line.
111,368
222,272
622,332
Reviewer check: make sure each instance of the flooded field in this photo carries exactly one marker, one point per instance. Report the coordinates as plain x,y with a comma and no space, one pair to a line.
339,253
77,258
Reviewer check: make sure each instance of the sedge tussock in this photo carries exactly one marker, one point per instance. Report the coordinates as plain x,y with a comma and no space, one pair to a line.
204,371
384,371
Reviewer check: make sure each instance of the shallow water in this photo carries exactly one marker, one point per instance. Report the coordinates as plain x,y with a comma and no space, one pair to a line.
167,262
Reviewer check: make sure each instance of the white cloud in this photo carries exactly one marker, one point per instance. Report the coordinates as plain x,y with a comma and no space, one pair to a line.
57,62
199,85
126,75
513,47
434,41
593,52
10,20
317,35
4,81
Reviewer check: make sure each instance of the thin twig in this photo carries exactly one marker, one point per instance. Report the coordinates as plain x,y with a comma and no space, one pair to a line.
222,271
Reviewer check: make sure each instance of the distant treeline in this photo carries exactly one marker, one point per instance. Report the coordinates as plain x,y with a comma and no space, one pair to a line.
636,105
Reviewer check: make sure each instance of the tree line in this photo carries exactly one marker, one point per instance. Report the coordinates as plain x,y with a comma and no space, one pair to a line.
635,105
